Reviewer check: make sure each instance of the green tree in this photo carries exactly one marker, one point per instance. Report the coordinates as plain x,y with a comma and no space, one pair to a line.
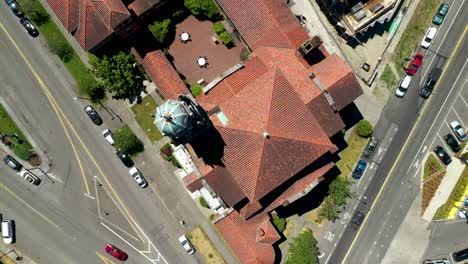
160,30
364,128
196,89
328,210
91,88
225,38
218,27
339,191
203,8
303,249
278,222
60,47
126,140
117,73
36,13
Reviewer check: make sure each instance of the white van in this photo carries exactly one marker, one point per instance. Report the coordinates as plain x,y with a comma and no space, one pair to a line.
404,84
8,231
428,37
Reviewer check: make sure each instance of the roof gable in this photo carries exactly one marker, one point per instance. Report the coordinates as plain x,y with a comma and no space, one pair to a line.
111,12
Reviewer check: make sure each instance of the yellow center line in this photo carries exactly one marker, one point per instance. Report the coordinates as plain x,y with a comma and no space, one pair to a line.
60,113
43,86
29,206
104,258
404,147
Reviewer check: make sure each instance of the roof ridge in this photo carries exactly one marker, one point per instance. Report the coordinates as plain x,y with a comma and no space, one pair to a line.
276,21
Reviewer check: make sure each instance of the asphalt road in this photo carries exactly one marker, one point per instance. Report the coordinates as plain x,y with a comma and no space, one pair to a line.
392,204
87,199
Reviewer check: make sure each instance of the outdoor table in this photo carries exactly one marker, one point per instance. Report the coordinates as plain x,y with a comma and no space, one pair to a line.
201,61
184,36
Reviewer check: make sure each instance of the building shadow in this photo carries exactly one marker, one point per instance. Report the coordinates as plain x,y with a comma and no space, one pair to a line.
209,146
350,115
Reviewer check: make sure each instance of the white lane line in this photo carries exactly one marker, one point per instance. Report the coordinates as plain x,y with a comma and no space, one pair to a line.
443,142
440,111
463,99
459,119
440,44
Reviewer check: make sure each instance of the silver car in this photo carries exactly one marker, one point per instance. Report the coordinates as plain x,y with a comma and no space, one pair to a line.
138,177
183,240
458,130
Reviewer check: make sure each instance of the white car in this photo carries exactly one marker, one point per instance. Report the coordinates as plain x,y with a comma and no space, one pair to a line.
138,177
428,37
186,244
458,130
108,136
8,231
29,177
403,87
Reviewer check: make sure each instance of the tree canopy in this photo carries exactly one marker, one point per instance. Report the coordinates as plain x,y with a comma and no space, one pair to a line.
303,249
117,73
364,128
126,140
160,30
202,8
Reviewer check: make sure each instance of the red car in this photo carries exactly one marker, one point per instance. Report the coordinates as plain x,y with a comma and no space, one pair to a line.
116,252
413,68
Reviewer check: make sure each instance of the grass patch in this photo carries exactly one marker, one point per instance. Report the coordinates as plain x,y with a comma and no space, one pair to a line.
205,247
289,227
431,167
462,147
429,189
8,126
350,155
143,112
313,217
415,30
456,196
52,34
388,77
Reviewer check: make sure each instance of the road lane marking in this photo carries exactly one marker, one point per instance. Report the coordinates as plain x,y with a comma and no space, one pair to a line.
29,206
43,86
104,258
459,119
461,97
406,142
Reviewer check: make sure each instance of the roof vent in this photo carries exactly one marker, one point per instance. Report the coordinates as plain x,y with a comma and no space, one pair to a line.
266,135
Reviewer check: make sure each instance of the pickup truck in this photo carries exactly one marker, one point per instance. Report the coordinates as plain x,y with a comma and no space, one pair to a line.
370,148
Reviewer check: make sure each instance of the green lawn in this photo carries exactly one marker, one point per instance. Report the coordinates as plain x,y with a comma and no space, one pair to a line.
350,155
388,77
415,30
431,166
8,126
143,112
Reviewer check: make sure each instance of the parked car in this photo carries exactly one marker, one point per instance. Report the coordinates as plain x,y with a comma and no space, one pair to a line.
93,115
15,8
186,244
29,177
452,142
116,252
108,136
359,170
125,158
460,255
8,231
458,130
441,13
403,87
138,177
12,163
430,83
437,261
30,28
370,148
429,37
357,220
414,66
442,155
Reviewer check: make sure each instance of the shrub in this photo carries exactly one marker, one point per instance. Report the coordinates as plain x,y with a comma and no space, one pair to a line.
303,249
364,128
245,54
126,140
160,30
328,210
278,222
203,202
61,48
339,191
196,89
218,27
203,8
36,13
211,217
22,151
225,38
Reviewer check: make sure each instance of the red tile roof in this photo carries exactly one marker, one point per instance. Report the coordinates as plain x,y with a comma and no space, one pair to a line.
266,233
141,6
265,23
161,72
91,30
67,12
220,177
111,12
242,237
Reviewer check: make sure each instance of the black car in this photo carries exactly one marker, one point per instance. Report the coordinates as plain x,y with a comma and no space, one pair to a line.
12,163
430,83
460,255
30,28
357,220
93,115
15,8
370,148
442,155
452,142
125,158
